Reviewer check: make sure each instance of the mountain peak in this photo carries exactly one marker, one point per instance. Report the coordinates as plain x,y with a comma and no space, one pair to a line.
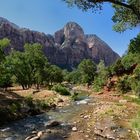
72,30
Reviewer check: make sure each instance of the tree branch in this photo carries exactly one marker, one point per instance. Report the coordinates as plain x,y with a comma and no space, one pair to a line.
133,9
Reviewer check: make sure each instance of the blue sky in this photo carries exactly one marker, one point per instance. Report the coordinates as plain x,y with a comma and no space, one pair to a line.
49,16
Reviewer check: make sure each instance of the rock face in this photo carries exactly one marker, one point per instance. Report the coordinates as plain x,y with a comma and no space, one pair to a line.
101,50
66,48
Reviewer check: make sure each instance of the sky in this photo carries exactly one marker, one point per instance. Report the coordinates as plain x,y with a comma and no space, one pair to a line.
48,16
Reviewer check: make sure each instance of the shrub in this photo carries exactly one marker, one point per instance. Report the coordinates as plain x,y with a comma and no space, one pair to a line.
61,89
42,104
135,81
123,84
74,97
29,101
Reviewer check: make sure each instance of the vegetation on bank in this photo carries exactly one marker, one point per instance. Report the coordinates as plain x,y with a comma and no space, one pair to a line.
31,68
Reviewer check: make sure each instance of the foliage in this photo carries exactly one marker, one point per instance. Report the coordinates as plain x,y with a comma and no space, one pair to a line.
124,84
3,44
27,66
61,89
136,124
74,97
135,81
87,69
128,60
134,46
126,18
36,61
126,12
5,76
118,68
55,74
101,77
42,104
74,77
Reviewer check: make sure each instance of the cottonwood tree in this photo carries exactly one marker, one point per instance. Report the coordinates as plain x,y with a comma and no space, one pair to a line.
126,12
5,76
87,69
28,66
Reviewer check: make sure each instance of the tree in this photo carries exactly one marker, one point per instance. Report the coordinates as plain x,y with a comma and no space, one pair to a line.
118,67
87,69
37,61
134,46
28,66
101,77
19,68
74,77
126,14
3,44
55,74
5,75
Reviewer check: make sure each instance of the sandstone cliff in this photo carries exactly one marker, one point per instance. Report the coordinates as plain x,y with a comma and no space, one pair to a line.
66,48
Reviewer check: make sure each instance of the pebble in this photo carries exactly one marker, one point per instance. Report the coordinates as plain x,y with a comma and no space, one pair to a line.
48,131
74,129
123,101
81,131
86,117
86,136
40,133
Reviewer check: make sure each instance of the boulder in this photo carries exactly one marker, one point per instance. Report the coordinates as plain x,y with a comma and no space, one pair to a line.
53,123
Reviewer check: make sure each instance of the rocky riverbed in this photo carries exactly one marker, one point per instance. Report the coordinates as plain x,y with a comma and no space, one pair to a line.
97,117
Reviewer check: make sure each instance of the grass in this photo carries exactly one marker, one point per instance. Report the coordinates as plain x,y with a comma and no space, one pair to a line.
134,99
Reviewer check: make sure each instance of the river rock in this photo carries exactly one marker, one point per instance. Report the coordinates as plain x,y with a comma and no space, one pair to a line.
40,133
123,101
32,137
74,129
53,123
35,138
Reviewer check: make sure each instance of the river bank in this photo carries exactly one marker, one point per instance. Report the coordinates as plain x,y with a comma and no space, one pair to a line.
100,116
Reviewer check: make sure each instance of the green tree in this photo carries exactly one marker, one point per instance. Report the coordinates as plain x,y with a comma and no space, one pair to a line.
101,77
129,59
36,61
87,69
134,46
19,67
55,74
118,68
5,75
28,66
3,44
74,77
126,12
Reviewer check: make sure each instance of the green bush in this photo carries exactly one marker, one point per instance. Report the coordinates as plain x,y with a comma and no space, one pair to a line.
29,101
74,97
42,104
135,81
98,84
124,84
61,89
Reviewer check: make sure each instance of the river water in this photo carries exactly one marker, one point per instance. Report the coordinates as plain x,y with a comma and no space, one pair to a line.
19,130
